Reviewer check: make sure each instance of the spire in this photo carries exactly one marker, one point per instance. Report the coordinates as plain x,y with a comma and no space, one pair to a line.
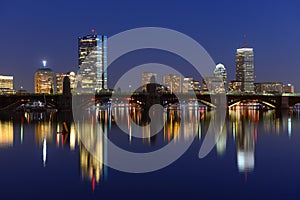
44,63
244,40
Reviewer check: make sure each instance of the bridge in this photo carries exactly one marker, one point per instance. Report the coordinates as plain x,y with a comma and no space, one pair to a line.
269,100
64,101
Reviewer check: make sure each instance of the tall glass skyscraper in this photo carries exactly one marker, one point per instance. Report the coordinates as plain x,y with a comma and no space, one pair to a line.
245,69
92,61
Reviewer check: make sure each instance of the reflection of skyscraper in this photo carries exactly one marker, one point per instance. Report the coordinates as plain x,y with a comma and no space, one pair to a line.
245,69
221,143
172,125
90,167
6,133
43,130
92,146
92,62
244,131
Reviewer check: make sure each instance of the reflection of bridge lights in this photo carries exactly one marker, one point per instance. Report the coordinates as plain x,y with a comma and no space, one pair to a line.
44,151
289,126
72,137
21,133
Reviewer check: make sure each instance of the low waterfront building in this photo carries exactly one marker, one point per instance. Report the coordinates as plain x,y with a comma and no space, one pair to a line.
213,84
268,88
6,84
289,89
235,86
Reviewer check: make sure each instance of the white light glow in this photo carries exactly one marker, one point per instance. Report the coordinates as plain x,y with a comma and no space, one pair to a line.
44,151
44,63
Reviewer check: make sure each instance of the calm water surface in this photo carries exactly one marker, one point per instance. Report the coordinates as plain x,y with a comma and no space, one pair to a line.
256,156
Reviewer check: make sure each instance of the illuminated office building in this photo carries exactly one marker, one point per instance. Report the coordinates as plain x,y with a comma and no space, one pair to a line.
196,86
172,82
147,77
60,79
245,69
289,89
213,84
92,61
235,86
187,85
220,72
268,88
44,80
6,84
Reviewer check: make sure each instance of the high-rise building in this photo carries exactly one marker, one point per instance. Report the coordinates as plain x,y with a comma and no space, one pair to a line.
220,72
6,84
245,69
44,80
187,85
60,79
92,53
147,77
172,82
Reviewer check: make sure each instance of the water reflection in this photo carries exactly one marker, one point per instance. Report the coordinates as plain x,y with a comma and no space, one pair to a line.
244,125
6,134
59,131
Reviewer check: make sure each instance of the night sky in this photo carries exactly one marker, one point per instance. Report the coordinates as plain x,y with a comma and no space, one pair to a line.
33,30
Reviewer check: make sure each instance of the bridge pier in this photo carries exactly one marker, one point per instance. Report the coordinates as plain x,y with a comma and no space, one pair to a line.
285,102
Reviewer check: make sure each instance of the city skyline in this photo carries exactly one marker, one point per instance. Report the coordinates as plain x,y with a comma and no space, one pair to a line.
274,43
149,99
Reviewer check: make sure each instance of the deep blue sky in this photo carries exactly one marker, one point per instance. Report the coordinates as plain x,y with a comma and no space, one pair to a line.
33,30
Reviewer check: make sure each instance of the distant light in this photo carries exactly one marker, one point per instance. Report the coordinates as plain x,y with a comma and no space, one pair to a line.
289,84
44,63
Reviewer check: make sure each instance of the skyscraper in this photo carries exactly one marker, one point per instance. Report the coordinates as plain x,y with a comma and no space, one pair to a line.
245,69
44,80
220,72
187,85
60,79
92,61
172,82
